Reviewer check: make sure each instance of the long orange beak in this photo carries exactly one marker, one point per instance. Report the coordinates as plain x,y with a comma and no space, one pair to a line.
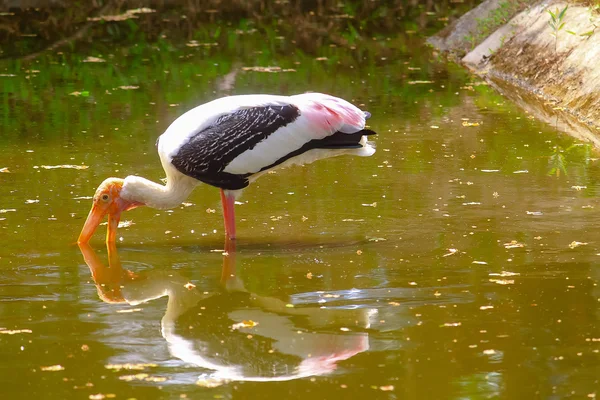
91,223
113,224
94,219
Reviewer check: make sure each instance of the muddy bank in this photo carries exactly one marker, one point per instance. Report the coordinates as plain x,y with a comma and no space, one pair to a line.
550,72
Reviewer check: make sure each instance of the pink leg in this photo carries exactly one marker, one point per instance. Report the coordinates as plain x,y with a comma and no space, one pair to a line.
228,202
228,270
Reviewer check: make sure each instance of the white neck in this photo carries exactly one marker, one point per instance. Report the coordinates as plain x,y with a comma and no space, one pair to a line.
177,189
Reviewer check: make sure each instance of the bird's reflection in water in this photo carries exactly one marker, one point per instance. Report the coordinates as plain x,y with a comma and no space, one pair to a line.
236,334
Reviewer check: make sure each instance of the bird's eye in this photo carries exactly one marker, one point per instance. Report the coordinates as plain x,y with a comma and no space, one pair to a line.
104,197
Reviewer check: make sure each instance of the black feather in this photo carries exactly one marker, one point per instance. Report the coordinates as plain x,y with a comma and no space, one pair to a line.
209,151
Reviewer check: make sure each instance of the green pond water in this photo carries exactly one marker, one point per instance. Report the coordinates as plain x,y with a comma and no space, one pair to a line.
461,261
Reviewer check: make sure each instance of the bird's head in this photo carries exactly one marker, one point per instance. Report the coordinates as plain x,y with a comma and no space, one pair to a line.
107,200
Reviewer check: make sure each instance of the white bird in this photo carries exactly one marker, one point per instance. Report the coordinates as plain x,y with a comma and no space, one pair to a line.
229,143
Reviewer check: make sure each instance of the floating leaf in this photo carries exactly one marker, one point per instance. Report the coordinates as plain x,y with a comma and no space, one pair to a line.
53,368
574,244
5,170
451,324
142,377
130,310
14,331
93,60
128,366
538,213
451,252
65,166
244,324
513,244
502,281
504,273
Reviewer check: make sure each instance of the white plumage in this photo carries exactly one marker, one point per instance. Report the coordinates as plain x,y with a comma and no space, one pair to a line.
313,123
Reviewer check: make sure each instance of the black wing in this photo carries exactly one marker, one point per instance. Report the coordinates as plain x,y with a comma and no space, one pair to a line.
209,151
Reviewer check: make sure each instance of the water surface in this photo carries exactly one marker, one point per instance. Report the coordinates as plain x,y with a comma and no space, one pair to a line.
460,261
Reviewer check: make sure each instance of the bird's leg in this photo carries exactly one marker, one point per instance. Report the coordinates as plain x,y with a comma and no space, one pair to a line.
228,270
229,278
228,201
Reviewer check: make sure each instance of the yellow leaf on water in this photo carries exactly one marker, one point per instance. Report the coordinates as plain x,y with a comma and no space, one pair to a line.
502,281
131,310
450,252
513,244
128,366
53,368
5,170
504,274
14,331
210,382
65,166
142,377
574,244
244,324
467,123
126,223
452,324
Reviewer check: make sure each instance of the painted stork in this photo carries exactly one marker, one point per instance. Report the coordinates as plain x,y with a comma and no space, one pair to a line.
229,143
